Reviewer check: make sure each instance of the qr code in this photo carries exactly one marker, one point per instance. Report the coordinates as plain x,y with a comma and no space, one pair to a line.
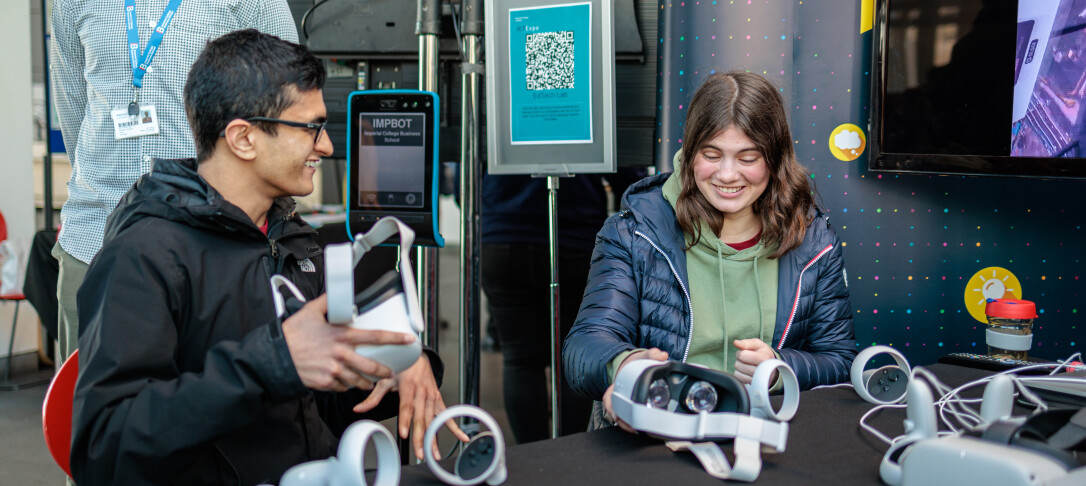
549,57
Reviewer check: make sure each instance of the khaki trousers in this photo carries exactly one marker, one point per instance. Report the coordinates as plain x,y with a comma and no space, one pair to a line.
72,272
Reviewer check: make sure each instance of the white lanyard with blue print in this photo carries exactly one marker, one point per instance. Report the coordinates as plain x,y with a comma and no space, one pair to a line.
138,120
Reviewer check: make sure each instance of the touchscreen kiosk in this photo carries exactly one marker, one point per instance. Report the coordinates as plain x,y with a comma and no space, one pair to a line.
391,161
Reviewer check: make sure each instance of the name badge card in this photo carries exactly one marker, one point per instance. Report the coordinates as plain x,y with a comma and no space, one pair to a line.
144,122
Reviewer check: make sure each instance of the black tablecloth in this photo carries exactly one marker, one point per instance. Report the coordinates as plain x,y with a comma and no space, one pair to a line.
825,446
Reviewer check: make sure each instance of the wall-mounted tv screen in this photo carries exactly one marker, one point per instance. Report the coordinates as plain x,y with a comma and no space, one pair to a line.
995,87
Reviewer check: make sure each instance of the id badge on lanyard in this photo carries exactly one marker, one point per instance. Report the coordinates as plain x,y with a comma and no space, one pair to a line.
137,120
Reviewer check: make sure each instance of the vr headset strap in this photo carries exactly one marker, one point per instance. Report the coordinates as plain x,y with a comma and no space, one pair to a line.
748,453
382,230
1072,436
711,426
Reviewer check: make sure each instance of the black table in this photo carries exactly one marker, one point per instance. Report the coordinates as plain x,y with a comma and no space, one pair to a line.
825,446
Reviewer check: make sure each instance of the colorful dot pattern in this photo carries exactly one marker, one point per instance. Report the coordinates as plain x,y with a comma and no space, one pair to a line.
911,242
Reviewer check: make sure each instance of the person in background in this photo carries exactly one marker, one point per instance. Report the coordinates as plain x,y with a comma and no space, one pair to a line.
725,263
516,278
111,61
186,373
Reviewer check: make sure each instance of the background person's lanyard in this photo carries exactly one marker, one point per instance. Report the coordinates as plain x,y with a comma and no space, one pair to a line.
140,62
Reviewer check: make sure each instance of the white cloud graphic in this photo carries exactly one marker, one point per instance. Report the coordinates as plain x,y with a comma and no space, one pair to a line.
847,139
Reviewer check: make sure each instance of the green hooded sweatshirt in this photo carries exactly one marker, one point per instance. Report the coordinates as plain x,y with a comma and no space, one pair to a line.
734,294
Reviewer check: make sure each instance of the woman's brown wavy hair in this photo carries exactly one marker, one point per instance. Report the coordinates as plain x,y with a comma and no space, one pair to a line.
751,103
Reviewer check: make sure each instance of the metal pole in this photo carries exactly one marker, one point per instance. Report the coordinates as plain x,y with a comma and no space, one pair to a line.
47,159
428,28
471,30
556,324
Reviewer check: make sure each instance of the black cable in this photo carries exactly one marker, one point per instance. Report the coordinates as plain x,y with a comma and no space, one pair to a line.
456,30
463,57
305,16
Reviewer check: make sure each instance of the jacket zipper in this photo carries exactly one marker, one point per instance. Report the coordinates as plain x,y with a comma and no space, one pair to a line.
686,294
233,468
301,401
799,287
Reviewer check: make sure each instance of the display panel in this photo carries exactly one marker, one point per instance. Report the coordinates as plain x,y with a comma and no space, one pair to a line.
980,87
391,160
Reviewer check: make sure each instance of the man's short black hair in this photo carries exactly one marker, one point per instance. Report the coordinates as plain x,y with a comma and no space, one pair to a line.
244,74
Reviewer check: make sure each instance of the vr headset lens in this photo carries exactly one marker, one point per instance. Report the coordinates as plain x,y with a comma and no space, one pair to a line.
682,388
659,394
701,397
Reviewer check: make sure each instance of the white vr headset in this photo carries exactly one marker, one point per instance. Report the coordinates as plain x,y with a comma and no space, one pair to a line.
1005,450
692,407
389,304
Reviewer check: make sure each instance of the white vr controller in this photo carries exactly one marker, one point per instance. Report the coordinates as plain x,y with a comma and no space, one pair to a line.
481,459
347,468
885,385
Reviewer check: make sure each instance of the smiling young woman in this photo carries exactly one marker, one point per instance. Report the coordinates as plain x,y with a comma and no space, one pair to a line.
747,106
724,263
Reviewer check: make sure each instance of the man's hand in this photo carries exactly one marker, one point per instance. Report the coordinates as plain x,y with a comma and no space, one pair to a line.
652,353
751,353
324,353
420,402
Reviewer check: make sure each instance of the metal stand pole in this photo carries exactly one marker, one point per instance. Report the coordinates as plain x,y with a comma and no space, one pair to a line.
47,159
556,324
428,28
471,29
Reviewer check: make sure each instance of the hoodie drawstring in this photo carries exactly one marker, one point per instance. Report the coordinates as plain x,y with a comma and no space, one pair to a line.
723,300
758,295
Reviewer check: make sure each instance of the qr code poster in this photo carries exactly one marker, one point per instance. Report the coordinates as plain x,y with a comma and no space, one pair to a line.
550,74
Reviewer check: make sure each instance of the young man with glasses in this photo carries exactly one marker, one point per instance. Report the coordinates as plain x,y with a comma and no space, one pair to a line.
186,374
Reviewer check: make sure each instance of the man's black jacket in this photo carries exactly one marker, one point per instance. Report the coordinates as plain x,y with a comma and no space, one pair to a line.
185,377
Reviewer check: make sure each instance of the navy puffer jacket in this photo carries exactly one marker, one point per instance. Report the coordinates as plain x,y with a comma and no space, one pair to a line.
638,297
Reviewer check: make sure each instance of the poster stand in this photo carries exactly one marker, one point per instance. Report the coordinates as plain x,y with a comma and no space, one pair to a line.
550,109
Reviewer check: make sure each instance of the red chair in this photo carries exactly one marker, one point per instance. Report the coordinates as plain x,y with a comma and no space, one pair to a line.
17,297
56,413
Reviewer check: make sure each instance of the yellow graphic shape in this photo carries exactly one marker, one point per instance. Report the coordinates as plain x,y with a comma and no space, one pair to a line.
990,283
867,15
847,142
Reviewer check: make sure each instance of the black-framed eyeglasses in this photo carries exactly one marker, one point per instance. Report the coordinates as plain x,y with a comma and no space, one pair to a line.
318,127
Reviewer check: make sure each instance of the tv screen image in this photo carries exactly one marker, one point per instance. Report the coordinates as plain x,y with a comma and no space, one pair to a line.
1048,102
991,87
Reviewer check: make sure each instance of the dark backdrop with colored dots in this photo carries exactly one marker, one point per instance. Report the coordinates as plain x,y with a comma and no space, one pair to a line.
913,244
